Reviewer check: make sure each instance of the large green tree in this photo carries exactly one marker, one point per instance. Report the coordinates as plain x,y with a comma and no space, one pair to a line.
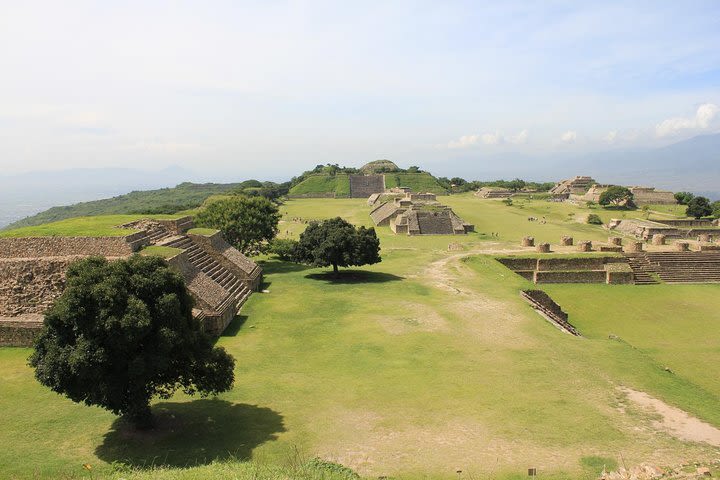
122,333
248,223
338,243
699,207
616,196
683,198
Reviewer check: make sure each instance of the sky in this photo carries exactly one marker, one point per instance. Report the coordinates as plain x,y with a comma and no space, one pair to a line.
267,89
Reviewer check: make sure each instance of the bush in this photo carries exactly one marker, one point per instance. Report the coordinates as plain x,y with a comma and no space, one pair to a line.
284,248
594,219
508,202
699,207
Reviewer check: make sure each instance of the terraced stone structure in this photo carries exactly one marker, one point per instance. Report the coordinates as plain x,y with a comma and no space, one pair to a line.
362,186
494,192
559,269
578,185
419,214
32,272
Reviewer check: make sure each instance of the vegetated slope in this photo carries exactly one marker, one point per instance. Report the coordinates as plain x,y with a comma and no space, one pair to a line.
339,184
163,201
322,185
417,182
93,226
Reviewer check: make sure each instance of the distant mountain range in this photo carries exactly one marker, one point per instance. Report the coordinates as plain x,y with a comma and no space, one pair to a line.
692,165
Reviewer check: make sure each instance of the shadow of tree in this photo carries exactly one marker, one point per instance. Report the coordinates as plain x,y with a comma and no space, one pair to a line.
354,276
278,266
192,433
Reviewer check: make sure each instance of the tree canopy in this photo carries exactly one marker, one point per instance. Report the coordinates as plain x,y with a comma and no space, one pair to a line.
699,207
683,198
248,223
616,196
338,243
122,333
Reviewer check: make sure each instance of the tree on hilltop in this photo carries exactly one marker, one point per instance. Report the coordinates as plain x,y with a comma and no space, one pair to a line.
338,243
248,223
122,333
616,196
683,198
699,207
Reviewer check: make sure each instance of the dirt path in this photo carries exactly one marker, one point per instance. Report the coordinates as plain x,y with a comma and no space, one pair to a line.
674,421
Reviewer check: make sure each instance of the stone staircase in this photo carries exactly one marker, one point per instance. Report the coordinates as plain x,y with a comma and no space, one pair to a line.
237,289
157,233
686,267
642,269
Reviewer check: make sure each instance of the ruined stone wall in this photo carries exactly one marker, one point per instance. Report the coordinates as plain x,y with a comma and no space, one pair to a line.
32,247
178,226
19,333
585,276
31,286
435,225
687,223
362,186
587,263
650,196
519,263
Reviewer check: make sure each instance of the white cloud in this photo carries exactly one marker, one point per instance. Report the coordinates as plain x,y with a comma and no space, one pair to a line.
611,137
519,139
464,141
703,118
568,137
491,138
496,138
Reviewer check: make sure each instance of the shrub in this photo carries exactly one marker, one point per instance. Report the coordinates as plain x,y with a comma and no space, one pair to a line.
594,219
699,207
284,248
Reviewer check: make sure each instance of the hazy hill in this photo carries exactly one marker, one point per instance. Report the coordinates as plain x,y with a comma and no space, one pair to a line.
165,200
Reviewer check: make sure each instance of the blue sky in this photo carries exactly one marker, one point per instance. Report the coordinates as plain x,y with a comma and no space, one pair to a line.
257,88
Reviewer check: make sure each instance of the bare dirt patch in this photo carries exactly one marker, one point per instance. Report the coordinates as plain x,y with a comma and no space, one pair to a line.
675,421
414,318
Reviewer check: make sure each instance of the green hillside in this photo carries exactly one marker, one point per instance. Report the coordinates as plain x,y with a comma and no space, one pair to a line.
320,185
418,182
163,201
339,184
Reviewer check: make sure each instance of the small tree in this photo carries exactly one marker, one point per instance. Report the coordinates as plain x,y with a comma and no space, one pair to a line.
284,248
716,209
338,243
594,219
683,198
699,207
248,223
616,196
123,332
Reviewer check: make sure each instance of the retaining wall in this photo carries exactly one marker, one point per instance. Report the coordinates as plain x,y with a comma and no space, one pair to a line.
32,247
31,285
19,333
585,276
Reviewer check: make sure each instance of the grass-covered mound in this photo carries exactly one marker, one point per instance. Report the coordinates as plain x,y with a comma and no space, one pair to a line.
323,185
99,226
417,182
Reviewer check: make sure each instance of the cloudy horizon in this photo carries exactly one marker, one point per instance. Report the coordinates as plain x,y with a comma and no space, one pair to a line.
257,87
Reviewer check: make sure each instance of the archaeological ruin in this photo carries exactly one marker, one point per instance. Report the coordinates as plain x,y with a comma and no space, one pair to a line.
218,276
494,192
419,214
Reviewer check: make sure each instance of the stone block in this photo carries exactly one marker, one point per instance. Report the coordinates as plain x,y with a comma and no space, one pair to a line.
658,239
543,248
615,240
566,241
528,241
634,247
682,246
585,246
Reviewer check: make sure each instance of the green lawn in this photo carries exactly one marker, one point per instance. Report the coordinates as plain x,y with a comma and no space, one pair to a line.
423,364
338,184
99,226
